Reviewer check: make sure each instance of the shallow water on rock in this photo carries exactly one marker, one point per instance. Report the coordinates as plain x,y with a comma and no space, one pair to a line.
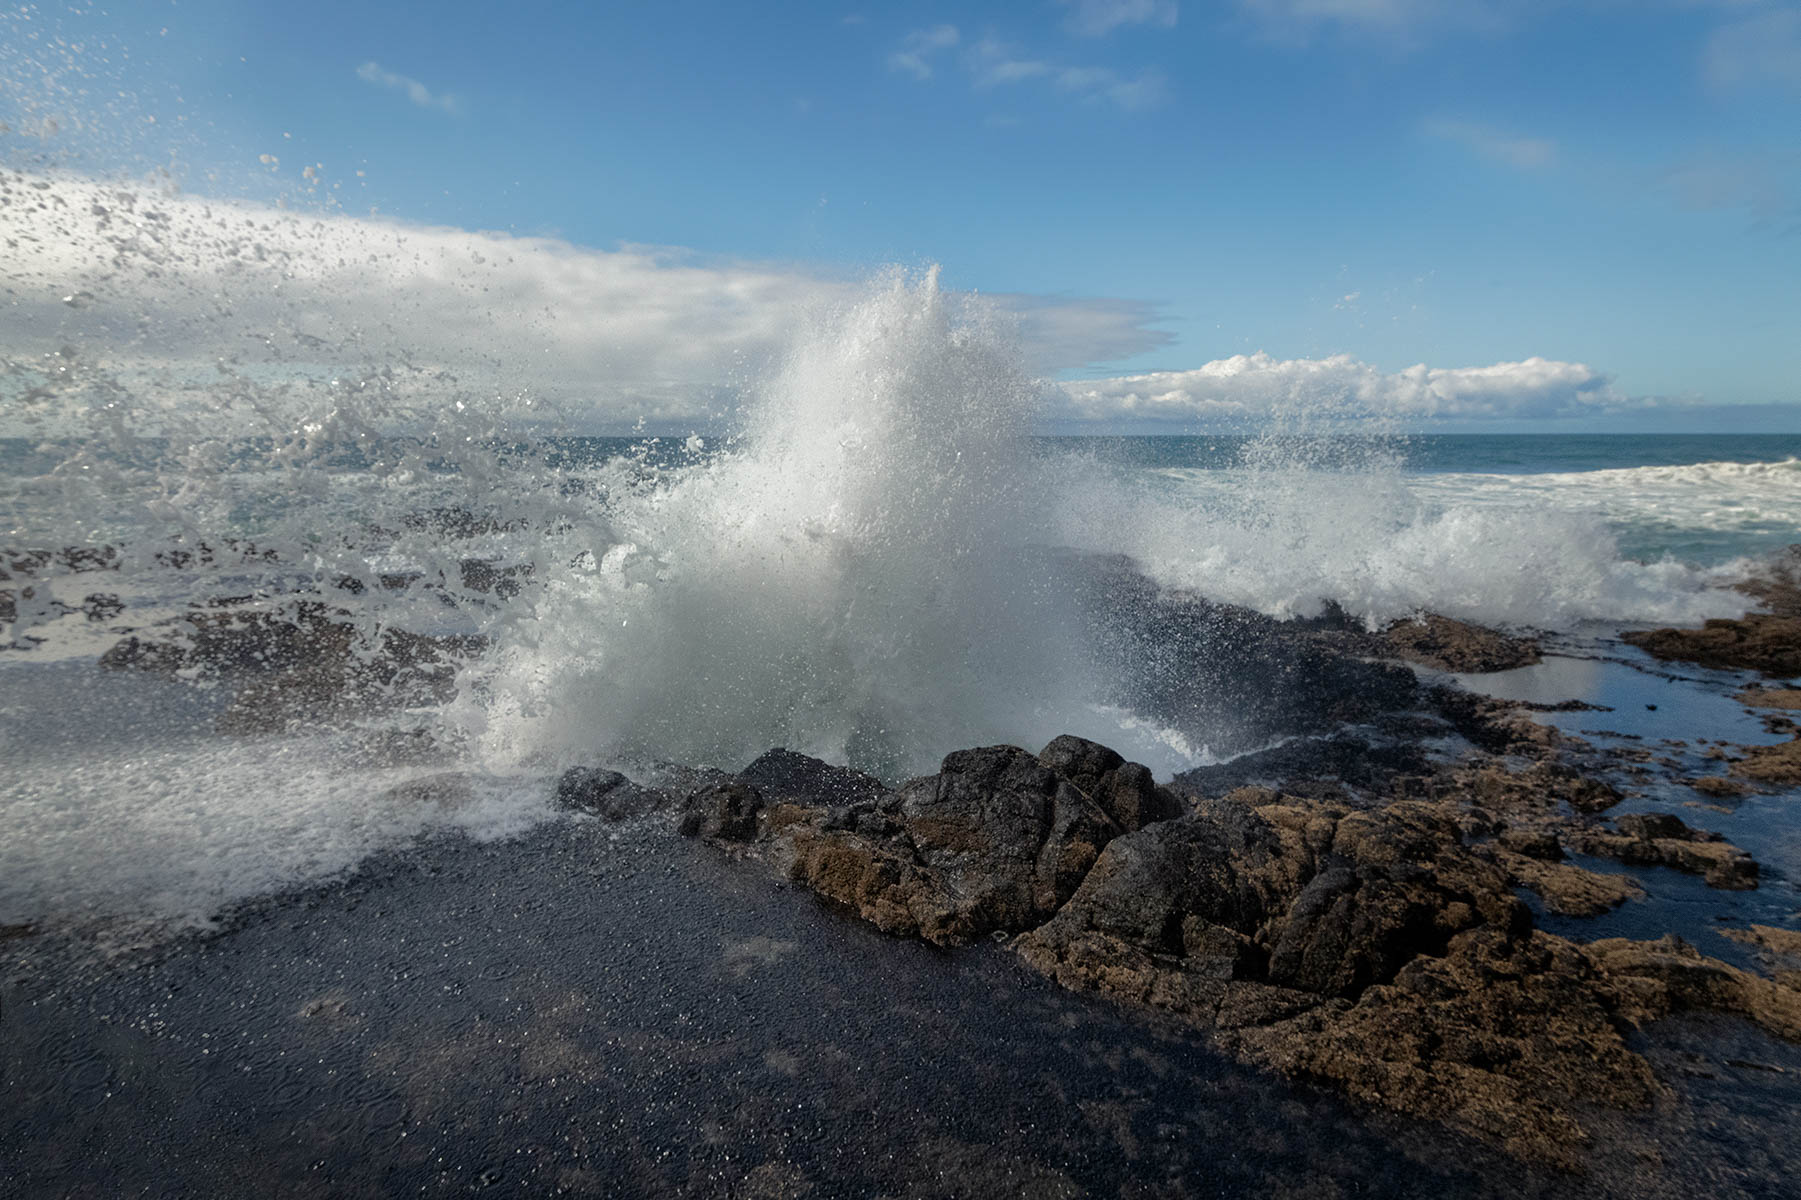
614,1011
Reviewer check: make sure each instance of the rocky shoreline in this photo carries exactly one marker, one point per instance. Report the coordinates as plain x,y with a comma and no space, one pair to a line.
1344,908
1373,943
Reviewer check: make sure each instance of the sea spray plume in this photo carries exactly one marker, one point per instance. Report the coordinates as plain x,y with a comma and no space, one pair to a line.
855,577
1319,509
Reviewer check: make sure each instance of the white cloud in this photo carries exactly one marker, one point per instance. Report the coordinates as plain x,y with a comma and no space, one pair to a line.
1764,49
1495,144
993,64
1248,387
1096,18
418,93
1403,24
916,52
167,292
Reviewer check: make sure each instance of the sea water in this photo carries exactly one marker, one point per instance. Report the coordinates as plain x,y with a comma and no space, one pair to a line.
865,553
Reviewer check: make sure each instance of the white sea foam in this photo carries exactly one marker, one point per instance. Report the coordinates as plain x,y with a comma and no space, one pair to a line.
868,569
1286,537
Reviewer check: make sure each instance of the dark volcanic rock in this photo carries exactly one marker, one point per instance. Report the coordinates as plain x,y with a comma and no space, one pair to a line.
1332,900
1123,790
607,794
1366,947
307,662
802,779
726,811
1244,677
995,841
1321,767
1008,837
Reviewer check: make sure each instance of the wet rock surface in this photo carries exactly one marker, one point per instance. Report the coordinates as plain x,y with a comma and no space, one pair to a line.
1446,644
1362,929
1768,641
1343,910
606,1010
303,663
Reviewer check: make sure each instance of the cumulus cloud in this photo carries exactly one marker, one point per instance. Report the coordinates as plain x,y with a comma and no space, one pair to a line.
916,53
1497,145
1250,387
1097,18
418,93
255,306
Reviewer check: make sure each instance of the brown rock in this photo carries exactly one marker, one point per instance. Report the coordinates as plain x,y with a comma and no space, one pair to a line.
1719,786
1779,764
1785,942
1450,645
1533,843
1789,698
1504,1036
1303,895
1567,889
1758,642
1663,840
1655,979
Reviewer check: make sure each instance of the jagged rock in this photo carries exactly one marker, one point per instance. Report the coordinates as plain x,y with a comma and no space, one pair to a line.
607,794
801,779
1663,840
1543,789
1010,838
1304,895
1451,645
1533,843
1655,979
725,811
1365,947
1758,642
1503,1035
995,841
1123,790
1567,889
1779,764
1497,726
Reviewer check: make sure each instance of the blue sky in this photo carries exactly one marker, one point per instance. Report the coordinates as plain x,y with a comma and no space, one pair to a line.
1614,183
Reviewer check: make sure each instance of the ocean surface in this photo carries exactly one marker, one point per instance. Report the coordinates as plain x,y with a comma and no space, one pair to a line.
878,562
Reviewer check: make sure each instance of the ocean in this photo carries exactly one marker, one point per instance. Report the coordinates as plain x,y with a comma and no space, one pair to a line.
872,571
875,562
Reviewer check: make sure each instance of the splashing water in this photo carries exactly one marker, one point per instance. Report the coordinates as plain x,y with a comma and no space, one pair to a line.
874,566
857,576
